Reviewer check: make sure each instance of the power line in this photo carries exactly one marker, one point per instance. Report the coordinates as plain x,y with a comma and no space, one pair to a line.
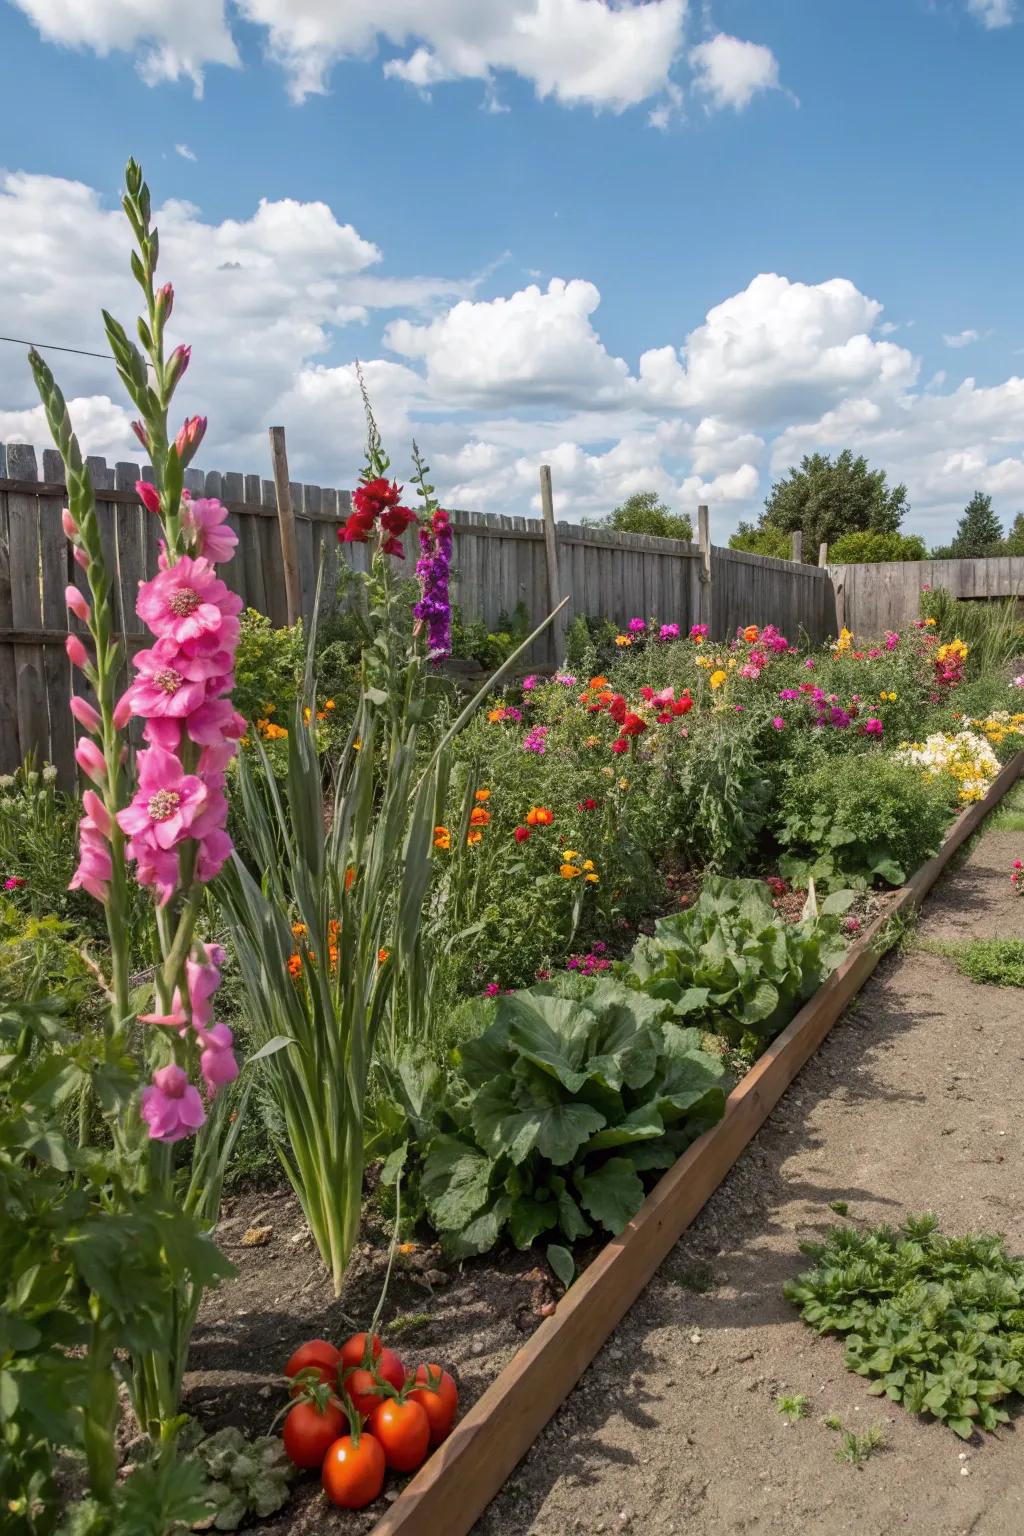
19,341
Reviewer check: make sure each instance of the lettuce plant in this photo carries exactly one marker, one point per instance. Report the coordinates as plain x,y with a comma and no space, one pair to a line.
731,965
560,1108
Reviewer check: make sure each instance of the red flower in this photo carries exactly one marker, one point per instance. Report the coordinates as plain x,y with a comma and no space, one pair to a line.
617,708
665,717
620,744
521,834
682,706
633,725
588,805
647,693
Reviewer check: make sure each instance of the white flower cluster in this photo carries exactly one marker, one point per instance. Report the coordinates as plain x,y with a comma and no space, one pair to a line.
966,757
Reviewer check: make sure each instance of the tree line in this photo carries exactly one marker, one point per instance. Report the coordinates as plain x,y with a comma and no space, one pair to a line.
840,502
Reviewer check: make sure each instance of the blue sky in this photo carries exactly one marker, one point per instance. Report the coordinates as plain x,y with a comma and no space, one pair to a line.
861,153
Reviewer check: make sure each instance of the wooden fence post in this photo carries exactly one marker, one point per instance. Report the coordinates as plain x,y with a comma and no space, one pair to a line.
796,551
555,593
823,555
704,545
286,525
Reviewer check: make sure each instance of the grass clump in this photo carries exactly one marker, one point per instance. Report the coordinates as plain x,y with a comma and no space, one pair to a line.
988,962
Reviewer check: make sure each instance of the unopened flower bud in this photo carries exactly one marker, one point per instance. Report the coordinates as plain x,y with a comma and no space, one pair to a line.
68,524
77,654
77,604
122,712
188,439
81,557
176,365
85,715
90,759
148,495
95,808
165,301
141,434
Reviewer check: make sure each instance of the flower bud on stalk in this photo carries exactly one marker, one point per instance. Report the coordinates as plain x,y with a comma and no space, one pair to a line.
86,715
77,654
77,604
188,439
176,365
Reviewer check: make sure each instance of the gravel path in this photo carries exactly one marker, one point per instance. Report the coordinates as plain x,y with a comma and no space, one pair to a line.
912,1104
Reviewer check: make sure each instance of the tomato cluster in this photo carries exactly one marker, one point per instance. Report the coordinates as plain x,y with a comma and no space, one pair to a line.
360,1411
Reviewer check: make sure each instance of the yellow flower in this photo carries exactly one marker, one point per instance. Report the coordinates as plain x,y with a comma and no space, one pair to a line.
930,623
623,640
592,879
607,772
569,871
268,709
592,741
357,745
570,853
717,678
328,704
588,863
473,837
706,661
623,783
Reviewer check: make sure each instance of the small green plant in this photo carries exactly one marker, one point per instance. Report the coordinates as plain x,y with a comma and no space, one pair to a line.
989,962
861,818
243,1477
793,1408
832,1421
855,1449
731,966
936,1323
408,1322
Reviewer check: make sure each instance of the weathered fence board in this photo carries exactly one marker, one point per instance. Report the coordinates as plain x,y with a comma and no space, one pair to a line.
498,563
873,598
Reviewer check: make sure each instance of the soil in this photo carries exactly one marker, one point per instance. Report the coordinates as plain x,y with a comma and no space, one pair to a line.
674,1427
907,1107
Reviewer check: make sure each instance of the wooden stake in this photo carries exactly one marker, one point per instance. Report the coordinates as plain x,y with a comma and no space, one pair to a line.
286,525
823,555
796,551
555,593
704,544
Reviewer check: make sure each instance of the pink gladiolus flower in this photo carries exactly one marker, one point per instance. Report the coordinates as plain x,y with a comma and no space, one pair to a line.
214,852
94,871
189,437
166,803
77,654
77,603
97,812
122,712
90,759
202,978
171,1106
68,523
148,495
217,1061
155,866
188,602
204,520
85,714
170,682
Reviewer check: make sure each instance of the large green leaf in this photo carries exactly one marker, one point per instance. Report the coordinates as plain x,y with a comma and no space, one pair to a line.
642,1124
552,1032
455,1184
611,1194
511,1125
529,1218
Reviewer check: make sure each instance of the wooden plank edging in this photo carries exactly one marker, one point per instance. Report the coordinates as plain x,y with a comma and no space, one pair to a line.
463,1475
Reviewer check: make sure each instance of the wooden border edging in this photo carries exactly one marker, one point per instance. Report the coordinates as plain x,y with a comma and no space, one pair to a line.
463,1475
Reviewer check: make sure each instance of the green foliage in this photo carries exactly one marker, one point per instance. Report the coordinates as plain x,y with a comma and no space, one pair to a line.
242,1477
590,644
761,540
856,1449
858,819
992,631
1014,541
729,964
826,498
989,962
866,548
558,1109
645,512
473,641
793,1408
936,1323
39,845
269,664
723,794
979,532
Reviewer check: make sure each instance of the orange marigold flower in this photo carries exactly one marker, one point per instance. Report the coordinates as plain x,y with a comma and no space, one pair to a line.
478,817
442,837
350,876
599,682
751,633
473,837
539,816
328,704
569,871
294,965
382,955
482,795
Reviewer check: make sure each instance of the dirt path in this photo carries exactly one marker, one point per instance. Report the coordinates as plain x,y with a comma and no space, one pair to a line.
914,1103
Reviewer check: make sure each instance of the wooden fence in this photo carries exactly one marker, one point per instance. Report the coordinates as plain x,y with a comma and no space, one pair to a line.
873,598
498,562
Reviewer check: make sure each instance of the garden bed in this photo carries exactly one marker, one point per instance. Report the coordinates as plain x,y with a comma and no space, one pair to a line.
479,1315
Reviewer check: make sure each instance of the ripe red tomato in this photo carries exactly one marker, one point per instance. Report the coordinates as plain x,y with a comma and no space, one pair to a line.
438,1396
308,1433
353,1351
391,1368
317,1355
363,1388
403,1429
353,1471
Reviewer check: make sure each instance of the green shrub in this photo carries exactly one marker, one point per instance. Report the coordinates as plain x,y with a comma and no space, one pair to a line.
730,965
861,818
936,1323
268,667
558,1109
724,785
865,548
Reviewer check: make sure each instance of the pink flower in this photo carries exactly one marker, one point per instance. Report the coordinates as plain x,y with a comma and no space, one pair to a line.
202,977
492,989
892,640
189,437
76,602
90,759
873,726
76,652
637,626
699,632
165,805
204,520
669,632
214,851
187,602
529,683
68,523
14,882
778,723
171,1106
85,714
809,663
170,682
94,871
155,866
217,1062
148,495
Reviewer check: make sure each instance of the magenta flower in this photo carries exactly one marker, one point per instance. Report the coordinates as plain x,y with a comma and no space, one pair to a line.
171,1106
14,882
492,989
217,1061
204,520
699,632
892,640
170,682
529,683
90,759
85,714
166,803
778,723
668,632
637,626
809,663
186,602
873,726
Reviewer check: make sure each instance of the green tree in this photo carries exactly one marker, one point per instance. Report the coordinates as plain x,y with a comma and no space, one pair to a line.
826,498
872,548
760,541
645,512
1015,537
979,532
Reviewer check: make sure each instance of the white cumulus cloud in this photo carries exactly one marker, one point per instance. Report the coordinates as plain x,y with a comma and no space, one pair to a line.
993,13
731,72
962,338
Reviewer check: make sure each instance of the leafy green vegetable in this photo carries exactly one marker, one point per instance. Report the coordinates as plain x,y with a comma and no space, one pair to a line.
936,1323
730,965
562,1104
242,1477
